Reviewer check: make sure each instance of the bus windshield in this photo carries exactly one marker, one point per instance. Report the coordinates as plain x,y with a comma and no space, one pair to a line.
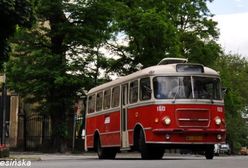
187,87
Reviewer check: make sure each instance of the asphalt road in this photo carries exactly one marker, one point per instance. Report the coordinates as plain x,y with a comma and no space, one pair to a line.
133,161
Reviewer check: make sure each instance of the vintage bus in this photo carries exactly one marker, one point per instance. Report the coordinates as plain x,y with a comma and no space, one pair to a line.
173,105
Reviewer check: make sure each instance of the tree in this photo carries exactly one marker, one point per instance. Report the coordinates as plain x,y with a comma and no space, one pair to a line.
50,63
13,13
158,29
234,70
89,31
197,31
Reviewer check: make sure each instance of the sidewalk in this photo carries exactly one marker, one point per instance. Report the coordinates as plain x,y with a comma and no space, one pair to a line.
35,156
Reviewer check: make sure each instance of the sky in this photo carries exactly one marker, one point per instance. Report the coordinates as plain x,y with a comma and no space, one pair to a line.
232,18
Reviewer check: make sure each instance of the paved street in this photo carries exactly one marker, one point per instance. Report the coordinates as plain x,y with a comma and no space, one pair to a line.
132,160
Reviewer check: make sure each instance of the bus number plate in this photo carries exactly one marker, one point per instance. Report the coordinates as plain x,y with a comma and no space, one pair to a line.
194,138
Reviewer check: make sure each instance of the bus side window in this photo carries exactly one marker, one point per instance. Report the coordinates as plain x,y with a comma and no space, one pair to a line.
91,104
145,89
106,99
115,96
99,98
133,97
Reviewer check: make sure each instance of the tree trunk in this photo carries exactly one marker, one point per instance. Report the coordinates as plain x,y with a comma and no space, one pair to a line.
58,109
59,131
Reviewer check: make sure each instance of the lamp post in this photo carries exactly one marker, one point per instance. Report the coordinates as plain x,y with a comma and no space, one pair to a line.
4,150
3,109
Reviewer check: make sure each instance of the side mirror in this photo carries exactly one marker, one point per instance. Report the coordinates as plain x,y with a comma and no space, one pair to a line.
224,91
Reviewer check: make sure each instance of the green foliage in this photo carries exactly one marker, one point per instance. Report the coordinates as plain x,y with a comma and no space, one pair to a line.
56,54
61,130
51,63
13,13
89,22
234,70
197,30
158,29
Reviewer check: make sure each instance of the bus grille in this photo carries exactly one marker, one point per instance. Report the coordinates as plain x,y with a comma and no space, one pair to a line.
193,117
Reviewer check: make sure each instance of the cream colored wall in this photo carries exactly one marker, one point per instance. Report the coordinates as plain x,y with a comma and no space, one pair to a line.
13,127
13,123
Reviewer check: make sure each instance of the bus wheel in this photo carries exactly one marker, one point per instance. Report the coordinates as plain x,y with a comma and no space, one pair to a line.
209,153
149,151
105,153
157,152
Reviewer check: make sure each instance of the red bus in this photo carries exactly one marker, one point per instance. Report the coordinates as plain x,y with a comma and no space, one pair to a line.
173,105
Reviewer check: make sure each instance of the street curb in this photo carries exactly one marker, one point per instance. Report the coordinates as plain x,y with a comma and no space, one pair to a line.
20,158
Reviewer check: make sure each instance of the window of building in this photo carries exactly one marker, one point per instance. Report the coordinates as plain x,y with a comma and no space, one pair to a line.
91,104
99,98
116,96
145,89
106,101
133,97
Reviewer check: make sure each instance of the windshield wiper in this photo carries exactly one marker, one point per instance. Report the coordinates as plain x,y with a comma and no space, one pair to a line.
178,89
211,99
174,98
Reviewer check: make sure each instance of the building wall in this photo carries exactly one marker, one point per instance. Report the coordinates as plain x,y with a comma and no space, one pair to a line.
13,125
11,116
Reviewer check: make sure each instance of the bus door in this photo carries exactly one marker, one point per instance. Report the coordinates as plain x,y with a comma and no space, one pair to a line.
124,103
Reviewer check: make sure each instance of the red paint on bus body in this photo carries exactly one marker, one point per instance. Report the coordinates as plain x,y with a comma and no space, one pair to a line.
189,123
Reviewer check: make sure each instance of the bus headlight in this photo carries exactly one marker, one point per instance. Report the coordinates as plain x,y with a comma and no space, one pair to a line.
219,137
217,120
167,120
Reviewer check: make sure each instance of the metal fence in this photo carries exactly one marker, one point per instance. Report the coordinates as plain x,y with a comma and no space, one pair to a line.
34,131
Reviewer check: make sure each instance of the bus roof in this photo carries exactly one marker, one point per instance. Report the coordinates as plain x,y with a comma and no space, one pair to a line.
157,70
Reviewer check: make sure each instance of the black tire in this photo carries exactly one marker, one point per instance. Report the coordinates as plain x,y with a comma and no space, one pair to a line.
209,153
157,152
149,151
105,153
